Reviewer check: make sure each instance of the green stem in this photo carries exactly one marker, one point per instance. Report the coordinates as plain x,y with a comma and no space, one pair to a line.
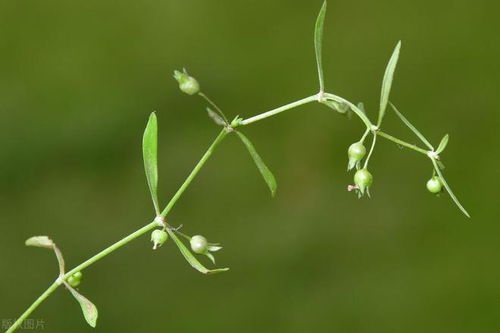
125,240
33,306
374,140
372,127
112,248
401,142
279,110
189,179
218,109
193,173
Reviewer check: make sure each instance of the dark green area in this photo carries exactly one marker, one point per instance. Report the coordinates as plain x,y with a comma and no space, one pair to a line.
78,80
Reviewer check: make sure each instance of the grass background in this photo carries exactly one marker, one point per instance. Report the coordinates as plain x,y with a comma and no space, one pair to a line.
78,80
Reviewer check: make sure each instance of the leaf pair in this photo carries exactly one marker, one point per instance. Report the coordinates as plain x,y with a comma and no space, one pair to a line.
88,308
438,165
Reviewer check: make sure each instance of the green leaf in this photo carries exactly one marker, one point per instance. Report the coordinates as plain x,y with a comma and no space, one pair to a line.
40,241
387,82
190,257
214,247
216,118
450,192
318,40
150,156
413,128
88,308
443,144
361,107
211,257
264,170
341,108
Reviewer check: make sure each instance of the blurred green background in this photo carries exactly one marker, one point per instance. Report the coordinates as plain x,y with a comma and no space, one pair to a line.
79,78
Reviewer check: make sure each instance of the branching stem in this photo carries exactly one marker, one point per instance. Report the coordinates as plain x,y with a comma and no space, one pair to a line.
192,175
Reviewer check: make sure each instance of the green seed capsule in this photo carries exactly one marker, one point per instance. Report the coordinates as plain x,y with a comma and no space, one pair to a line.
363,179
187,83
199,244
434,185
356,152
158,237
75,279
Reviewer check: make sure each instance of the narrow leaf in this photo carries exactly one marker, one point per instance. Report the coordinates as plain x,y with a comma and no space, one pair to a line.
88,308
211,257
387,83
214,247
190,257
216,118
40,241
443,144
452,195
264,170
361,107
318,41
150,156
413,128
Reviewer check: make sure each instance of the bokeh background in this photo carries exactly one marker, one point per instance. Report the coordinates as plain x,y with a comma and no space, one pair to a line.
79,78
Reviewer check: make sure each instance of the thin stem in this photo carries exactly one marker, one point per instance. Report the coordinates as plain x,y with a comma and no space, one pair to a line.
123,241
401,142
364,136
193,173
218,109
371,151
33,306
112,248
279,110
189,179
372,127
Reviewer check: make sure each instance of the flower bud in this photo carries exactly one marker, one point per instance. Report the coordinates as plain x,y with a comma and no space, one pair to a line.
356,152
434,185
158,237
187,83
199,244
75,279
363,179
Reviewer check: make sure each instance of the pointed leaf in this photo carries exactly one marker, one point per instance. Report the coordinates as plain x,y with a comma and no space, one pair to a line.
318,40
214,247
387,82
40,241
450,192
88,308
211,257
150,156
216,118
265,172
443,144
413,128
190,257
